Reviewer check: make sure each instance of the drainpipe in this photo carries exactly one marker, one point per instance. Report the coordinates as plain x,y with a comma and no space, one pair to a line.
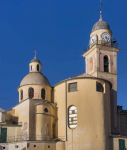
66,108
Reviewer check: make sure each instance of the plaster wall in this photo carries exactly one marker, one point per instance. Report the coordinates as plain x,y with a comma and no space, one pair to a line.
60,100
2,116
93,114
14,146
33,146
47,146
45,121
37,92
13,134
22,111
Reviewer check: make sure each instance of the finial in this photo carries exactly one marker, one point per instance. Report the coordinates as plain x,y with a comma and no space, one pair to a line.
101,16
35,54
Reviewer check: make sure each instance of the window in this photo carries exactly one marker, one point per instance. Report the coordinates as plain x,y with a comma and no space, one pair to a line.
37,67
46,110
106,64
72,87
16,146
21,94
31,68
99,87
121,144
34,145
31,92
3,135
72,117
43,93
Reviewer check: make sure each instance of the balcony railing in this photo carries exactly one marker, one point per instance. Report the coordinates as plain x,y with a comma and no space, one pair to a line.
113,44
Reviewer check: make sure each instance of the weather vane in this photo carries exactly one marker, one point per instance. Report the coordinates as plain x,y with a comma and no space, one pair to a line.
101,16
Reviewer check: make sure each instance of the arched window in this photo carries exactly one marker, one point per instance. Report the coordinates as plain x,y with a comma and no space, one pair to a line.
37,67
21,94
72,117
99,87
106,64
43,93
31,68
31,92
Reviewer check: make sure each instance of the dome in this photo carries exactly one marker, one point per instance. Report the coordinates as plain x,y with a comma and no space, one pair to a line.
34,78
35,60
100,25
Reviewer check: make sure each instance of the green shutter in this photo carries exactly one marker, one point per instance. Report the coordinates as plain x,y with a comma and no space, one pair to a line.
121,144
3,135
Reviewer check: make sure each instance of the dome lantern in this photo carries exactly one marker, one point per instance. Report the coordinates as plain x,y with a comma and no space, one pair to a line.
35,65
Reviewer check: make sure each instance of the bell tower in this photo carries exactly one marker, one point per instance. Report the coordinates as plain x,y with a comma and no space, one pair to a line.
101,60
101,56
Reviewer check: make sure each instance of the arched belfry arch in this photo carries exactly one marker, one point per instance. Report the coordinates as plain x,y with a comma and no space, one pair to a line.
106,63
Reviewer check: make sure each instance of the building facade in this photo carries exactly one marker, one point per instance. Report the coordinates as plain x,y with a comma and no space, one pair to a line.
79,113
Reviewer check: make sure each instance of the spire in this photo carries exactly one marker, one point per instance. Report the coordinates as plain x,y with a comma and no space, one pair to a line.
101,24
101,15
35,54
35,59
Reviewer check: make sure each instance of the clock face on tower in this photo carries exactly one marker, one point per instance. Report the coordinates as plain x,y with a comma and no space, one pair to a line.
106,37
93,39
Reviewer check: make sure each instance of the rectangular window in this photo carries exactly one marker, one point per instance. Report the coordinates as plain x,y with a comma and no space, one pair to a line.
121,144
3,135
72,87
99,87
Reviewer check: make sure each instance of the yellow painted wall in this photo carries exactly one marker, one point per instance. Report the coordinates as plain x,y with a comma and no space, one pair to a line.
60,100
37,91
22,112
93,114
45,121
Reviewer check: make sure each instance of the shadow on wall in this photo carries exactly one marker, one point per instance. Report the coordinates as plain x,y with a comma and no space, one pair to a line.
110,118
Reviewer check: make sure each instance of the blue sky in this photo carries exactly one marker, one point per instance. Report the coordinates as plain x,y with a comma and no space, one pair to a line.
59,30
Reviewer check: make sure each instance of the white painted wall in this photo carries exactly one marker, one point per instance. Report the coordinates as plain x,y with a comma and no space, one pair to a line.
2,117
14,146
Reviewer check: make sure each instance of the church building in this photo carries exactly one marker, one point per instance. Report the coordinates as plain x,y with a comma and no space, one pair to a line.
79,113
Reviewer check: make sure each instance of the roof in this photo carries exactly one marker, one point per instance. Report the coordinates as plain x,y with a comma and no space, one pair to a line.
36,78
35,60
101,24
83,76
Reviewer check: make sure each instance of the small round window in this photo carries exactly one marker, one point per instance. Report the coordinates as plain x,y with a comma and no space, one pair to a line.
46,110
